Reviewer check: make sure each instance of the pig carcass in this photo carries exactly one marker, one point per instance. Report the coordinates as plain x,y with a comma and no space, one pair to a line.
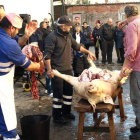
94,84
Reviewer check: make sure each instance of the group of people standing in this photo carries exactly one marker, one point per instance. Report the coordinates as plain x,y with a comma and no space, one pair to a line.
104,37
60,46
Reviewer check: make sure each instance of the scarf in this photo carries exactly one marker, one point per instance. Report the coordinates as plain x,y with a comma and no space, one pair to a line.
64,33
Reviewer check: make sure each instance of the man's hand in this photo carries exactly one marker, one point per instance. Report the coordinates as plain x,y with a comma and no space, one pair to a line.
123,74
50,75
122,24
92,56
30,28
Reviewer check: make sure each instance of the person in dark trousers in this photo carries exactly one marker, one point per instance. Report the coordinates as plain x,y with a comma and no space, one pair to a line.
58,56
107,33
96,35
87,33
37,36
80,60
46,32
117,49
119,37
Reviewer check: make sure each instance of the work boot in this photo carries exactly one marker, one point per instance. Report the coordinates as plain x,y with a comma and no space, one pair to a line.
134,129
135,135
69,116
59,120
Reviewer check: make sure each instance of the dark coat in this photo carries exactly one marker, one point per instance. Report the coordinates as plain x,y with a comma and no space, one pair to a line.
107,32
80,64
119,35
82,36
96,33
45,32
58,49
38,37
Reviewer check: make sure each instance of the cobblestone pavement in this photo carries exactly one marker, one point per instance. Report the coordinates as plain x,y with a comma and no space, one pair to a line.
25,105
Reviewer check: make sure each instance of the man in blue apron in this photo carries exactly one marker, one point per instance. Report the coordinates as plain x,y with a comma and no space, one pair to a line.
10,55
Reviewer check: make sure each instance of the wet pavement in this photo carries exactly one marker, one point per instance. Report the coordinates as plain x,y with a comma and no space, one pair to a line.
25,105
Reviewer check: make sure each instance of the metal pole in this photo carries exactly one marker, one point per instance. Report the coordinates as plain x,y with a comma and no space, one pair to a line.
62,7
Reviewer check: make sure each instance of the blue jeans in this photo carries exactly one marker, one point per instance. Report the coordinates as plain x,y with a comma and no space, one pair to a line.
48,83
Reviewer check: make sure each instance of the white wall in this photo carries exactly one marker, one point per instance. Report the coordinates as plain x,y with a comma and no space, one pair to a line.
38,9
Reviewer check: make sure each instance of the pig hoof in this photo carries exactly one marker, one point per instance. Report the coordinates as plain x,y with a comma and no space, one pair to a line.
55,72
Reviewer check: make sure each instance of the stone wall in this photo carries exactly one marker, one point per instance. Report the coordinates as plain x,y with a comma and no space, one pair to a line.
102,12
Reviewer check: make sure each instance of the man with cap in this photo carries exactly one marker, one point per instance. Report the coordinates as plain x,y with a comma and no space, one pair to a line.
11,55
96,35
58,56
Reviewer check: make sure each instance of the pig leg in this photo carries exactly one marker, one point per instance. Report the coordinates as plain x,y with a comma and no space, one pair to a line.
90,61
68,78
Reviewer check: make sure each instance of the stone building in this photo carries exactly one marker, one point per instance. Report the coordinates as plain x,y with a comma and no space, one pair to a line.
102,12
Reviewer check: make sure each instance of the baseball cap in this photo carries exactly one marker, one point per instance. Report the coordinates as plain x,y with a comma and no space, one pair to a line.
15,20
65,20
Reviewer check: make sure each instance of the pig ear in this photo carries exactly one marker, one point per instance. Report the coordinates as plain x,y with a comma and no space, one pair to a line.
108,99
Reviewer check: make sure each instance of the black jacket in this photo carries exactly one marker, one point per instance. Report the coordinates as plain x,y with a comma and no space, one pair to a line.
58,49
38,37
87,32
107,32
119,35
96,33
45,32
82,38
80,64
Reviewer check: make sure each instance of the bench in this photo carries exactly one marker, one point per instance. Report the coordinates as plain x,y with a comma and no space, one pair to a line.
83,106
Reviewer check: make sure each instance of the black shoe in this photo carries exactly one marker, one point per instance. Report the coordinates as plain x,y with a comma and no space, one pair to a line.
134,129
111,63
69,116
59,121
135,135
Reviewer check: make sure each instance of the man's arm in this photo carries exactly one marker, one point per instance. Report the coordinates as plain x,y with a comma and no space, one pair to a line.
33,66
22,40
77,47
29,30
122,23
91,55
101,33
125,66
131,44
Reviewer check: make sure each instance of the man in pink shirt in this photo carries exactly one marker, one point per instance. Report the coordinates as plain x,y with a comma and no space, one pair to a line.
132,60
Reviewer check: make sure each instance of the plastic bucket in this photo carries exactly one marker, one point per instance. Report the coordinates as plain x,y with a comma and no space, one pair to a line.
35,127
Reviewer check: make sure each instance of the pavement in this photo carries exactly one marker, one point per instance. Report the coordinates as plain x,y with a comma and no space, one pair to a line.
25,105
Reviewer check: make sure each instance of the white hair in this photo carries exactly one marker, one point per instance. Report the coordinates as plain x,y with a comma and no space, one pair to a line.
45,19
